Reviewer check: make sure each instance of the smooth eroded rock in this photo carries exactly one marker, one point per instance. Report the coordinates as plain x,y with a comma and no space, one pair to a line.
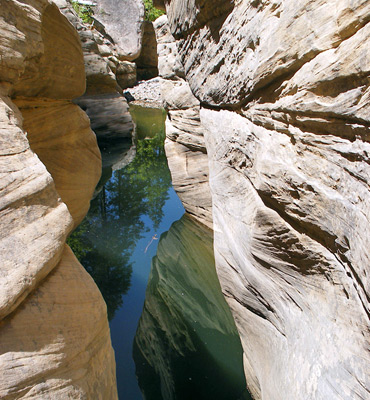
123,21
57,344
60,134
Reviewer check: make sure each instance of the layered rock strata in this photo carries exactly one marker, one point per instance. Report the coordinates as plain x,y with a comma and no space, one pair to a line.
184,145
285,108
54,331
107,73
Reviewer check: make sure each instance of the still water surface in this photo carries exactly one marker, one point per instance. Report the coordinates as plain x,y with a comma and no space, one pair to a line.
172,333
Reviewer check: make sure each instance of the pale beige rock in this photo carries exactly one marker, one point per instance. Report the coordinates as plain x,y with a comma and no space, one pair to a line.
185,150
289,175
41,55
34,222
126,74
184,145
54,334
60,134
297,286
169,65
57,345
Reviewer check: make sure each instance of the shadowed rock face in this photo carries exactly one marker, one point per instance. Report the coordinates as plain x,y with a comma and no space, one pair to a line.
53,329
186,345
289,178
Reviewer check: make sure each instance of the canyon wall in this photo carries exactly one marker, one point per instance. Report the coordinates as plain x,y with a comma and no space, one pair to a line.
55,340
185,148
283,94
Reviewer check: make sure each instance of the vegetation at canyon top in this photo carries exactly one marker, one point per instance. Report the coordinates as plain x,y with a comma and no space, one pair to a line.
151,13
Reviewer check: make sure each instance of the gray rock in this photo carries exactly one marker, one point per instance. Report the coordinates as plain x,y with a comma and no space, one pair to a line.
123,21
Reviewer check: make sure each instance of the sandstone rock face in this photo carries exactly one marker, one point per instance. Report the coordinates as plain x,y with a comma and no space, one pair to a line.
289,177
184,145
103,100
169,66
123,22
60,134
53,343
57,345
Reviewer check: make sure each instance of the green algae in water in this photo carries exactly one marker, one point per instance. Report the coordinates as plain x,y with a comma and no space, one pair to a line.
149,122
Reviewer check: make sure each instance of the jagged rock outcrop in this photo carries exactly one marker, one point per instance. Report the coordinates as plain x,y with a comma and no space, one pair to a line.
289,177
185,147
186,345
51,346
103,100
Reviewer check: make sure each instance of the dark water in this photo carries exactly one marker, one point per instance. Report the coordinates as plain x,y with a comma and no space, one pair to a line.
160,272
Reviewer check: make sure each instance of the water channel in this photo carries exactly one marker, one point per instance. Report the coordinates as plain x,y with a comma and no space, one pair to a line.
172,332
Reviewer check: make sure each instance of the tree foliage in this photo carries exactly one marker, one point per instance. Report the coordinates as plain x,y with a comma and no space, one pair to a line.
85,12
151,13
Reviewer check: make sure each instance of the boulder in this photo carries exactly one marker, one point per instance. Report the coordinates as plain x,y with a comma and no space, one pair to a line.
123,22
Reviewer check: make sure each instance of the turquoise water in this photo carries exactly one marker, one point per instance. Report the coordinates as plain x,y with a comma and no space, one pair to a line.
134,215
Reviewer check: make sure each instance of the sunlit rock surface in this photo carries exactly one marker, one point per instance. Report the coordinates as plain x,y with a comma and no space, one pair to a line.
185,147
103,101
123,22
186,345
53,329
289,177
57,345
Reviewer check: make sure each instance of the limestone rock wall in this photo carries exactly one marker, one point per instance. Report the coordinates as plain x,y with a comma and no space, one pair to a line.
184,145
284,93
53,328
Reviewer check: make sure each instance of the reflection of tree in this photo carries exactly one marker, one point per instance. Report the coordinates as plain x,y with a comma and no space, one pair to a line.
106,239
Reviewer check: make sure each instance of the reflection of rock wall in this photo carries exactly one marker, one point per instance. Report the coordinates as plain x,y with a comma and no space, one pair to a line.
289,177
186,341
50,345
185,147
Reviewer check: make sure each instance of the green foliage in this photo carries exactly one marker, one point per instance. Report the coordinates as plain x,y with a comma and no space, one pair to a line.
84,12
151,13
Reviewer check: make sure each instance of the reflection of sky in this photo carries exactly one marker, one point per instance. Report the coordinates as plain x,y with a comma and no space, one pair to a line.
124,324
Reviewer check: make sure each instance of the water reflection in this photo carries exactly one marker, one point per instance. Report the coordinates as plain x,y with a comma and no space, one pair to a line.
187,346
105,241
